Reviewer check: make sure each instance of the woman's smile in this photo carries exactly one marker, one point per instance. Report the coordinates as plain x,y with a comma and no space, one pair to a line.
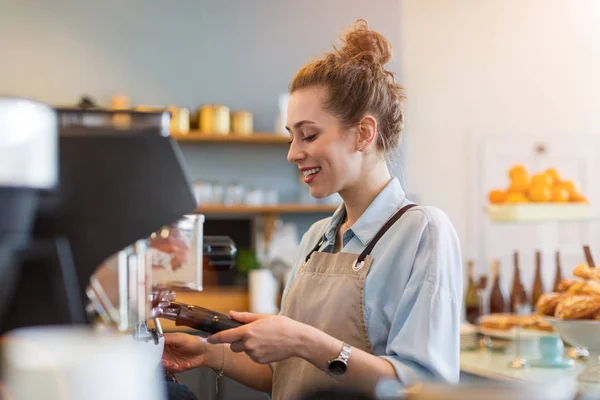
310,173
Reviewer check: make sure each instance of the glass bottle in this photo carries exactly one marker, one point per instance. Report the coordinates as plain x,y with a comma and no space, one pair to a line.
497,304
518,296
472,297
538,285
558,277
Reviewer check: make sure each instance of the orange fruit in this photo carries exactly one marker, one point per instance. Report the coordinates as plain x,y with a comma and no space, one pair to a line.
517,171
553,173
578,198
560,194
519,184
569,185
516,197
542,179
497,196
540,193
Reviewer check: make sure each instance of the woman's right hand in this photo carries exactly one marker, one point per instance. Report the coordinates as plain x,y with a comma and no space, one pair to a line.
184,352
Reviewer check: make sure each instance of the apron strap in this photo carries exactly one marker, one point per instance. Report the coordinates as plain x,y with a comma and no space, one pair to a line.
381,232
373,242
316,248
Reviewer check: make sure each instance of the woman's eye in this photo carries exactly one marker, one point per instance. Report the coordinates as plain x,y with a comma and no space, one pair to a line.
310,138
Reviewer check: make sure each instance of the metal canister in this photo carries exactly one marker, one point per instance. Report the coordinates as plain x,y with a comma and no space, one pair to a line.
214,119
242,123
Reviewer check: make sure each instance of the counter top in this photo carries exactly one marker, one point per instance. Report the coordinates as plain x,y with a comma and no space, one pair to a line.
485,364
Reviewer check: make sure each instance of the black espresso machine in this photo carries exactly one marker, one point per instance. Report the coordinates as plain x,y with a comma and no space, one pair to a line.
106,233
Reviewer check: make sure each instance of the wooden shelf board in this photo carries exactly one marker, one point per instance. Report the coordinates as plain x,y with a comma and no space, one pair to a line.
267,209
257,138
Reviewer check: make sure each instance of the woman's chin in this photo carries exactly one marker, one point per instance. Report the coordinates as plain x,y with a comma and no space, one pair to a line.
319,193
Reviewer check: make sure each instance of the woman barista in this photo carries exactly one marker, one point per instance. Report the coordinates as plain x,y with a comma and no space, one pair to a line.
376,291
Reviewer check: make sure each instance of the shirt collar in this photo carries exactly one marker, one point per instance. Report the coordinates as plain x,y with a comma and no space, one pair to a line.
381,209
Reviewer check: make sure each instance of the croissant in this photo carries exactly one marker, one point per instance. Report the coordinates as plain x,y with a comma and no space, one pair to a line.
565,284
585,287
547,303
577,306
582,271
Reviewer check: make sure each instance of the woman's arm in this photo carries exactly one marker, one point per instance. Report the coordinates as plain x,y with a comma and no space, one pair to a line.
364,369
265,339
239,367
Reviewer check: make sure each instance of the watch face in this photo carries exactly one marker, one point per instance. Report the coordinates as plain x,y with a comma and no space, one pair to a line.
337,367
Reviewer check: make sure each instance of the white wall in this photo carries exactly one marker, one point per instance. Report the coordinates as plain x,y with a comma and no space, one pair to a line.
472,68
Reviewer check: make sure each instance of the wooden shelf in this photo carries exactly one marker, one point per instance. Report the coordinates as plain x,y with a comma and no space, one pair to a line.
268,209
255,138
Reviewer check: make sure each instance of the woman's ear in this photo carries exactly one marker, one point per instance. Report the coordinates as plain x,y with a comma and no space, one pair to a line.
367,130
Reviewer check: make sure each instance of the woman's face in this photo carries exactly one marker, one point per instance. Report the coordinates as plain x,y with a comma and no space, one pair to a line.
325,154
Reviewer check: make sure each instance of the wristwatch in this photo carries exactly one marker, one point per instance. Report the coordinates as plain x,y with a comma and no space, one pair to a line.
339,365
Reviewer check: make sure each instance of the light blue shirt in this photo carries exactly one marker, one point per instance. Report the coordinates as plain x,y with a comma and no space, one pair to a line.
413,291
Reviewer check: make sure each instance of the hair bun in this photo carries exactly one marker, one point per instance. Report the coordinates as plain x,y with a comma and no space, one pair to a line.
362,44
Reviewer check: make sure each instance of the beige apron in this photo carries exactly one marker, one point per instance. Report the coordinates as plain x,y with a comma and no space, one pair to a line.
327,293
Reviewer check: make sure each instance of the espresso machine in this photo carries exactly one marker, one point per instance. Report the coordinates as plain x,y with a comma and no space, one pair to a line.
97,235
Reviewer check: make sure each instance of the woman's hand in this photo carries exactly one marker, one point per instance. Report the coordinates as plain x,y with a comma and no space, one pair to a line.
183,352
264,338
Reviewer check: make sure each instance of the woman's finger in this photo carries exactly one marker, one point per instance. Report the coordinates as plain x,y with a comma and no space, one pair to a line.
238,347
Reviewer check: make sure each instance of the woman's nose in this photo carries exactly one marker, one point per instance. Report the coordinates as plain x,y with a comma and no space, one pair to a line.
295,153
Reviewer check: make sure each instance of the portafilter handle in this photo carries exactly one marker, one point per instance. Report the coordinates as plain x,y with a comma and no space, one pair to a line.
196,317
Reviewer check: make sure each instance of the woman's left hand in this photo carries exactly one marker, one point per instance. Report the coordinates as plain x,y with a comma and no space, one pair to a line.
264,338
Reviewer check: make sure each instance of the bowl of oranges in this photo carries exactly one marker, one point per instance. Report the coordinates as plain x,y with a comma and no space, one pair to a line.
539,196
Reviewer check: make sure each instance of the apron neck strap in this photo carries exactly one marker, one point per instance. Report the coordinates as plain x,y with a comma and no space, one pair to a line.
316,248
382,231
375,239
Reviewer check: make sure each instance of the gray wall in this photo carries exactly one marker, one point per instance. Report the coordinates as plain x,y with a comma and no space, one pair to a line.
184,52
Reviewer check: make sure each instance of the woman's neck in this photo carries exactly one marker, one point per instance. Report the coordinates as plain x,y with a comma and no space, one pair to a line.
357,199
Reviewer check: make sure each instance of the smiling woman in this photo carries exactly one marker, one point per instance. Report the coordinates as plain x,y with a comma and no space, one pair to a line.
376,289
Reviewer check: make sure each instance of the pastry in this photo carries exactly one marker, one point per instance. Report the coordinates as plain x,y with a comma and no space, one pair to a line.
582,271
577,306
565,284
595,274
576,288
537,323
498,321
507,322
585,287
547,303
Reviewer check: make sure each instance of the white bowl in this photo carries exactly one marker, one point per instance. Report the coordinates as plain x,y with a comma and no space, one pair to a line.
581,333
